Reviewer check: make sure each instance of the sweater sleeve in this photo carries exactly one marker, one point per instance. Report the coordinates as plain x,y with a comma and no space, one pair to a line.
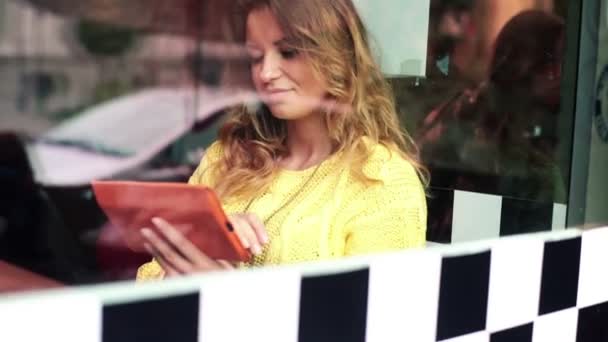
152,270
202,174
388,216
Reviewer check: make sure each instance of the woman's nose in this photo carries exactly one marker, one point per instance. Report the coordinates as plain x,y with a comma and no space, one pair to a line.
270,68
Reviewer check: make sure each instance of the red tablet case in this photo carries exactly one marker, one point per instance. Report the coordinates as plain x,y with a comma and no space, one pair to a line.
192,209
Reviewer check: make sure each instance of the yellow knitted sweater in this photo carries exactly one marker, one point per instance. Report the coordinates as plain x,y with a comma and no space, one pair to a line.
334,215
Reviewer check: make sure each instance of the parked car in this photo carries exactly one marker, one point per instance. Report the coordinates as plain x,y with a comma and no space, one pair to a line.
155,134
127,134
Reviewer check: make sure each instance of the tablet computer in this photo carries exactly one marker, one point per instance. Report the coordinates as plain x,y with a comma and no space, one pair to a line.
192,209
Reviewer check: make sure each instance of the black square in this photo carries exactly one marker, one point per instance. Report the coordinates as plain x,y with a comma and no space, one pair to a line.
463,295
166,319
593,323
518,216
440,208
559,282
334,307
522,333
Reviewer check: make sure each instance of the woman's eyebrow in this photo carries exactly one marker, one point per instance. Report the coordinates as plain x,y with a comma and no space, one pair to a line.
279,42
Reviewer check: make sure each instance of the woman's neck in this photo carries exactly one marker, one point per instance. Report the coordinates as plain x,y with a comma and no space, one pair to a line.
308,143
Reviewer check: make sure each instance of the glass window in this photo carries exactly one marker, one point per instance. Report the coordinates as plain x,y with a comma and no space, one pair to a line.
486,116
489,91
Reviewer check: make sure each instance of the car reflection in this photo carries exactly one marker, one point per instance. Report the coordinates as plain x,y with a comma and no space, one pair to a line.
156,134
126,134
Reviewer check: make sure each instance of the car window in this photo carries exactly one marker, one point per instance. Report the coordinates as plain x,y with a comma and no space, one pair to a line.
161,114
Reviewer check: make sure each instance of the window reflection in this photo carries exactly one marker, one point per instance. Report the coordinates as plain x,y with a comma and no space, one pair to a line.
503,129
484,117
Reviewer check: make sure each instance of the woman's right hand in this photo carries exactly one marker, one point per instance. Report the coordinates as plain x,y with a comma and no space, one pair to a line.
178,256
250,230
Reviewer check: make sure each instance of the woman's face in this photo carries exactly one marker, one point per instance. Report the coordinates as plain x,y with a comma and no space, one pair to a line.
282,76
546,80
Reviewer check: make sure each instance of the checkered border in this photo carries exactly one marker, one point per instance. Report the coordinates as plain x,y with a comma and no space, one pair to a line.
540,287
461,216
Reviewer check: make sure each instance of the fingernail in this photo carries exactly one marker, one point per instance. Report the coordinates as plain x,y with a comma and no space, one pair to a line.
265,239
156,221
256,250
145,231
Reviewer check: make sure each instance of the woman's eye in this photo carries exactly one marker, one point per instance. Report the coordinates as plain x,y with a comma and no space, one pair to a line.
255,59
289,53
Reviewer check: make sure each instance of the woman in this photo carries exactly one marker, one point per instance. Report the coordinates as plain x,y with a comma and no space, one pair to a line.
501,137
321,169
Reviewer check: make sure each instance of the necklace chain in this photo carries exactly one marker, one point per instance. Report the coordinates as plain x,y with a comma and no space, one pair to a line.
290,199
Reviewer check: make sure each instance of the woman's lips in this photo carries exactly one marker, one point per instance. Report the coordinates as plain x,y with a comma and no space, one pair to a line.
276,90
276,95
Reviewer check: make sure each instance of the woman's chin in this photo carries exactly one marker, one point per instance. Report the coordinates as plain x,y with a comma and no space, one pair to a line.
280,111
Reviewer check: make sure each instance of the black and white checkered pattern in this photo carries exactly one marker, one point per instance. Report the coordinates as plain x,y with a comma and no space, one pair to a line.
550,287
461,216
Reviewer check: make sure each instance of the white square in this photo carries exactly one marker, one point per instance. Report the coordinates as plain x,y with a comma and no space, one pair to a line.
398,54
559,216
404,297
262,304
481,336
557,326
476,216
515,277
593,273
62,316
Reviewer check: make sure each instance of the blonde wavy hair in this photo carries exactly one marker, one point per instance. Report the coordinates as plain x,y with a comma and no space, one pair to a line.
334,38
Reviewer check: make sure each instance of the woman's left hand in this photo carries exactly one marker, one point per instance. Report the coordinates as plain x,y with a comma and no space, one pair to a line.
175,253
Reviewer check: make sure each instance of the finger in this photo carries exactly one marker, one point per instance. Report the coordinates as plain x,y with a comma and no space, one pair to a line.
245,232
237,222
167,252
163,253
258,228
225,264
180,243
170,271
204,263
200,260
